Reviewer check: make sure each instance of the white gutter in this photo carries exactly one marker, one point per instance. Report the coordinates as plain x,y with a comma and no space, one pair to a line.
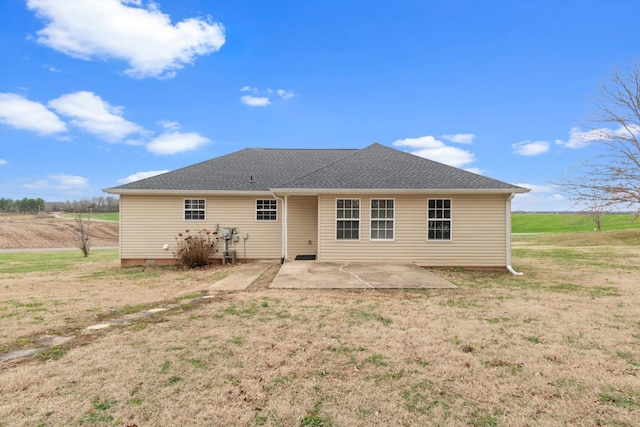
185,192
285,218
508,216
316,191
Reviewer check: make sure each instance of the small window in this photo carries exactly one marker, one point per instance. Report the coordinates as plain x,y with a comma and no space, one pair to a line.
194,209
266,210
348,219
439,219
382,219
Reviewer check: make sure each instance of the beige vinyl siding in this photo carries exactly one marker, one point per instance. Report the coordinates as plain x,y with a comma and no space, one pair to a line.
148,222
302,214
478,232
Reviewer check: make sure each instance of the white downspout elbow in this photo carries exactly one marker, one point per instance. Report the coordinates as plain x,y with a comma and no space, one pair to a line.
512,271
508,215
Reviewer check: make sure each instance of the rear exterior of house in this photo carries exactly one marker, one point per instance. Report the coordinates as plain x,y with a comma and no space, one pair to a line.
373,204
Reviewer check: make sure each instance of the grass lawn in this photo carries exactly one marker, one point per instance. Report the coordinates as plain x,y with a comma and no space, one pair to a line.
28,262
559,345
564,223
103,216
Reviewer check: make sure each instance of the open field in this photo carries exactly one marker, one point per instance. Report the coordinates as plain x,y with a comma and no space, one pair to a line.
29,231
557,346
564,223
102,216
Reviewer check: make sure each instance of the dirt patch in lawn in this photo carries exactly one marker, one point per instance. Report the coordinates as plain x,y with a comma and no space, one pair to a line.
557,346
28,232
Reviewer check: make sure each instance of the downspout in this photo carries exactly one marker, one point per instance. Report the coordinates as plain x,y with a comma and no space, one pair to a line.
284,226
508,217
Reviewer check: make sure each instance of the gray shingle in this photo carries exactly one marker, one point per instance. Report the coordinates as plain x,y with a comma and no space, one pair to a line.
232,172
373,167
380,167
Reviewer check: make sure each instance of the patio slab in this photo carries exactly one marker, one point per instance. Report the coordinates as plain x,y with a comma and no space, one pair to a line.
356,275
241,277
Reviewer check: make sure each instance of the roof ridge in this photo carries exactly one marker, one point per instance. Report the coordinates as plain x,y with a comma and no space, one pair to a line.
355,151
300,149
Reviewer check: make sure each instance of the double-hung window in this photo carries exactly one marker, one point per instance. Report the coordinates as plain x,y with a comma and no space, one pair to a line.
194,209
348,219
382,219
267,210
439,219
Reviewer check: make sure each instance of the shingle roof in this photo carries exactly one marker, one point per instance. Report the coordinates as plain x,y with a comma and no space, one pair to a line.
373,167
380,167
251,169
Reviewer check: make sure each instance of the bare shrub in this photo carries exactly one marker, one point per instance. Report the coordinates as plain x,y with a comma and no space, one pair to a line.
195,248
82,235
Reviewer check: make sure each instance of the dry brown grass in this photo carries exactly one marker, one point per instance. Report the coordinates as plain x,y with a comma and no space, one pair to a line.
558,346
61,301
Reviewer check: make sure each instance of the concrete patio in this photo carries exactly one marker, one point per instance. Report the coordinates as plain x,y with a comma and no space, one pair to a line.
356,275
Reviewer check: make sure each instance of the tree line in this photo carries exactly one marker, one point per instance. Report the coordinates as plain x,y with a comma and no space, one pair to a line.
38,205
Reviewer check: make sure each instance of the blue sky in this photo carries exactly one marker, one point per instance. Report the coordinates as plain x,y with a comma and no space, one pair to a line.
96,93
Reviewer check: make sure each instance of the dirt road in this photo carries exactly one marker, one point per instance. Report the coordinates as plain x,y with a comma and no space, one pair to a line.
28,231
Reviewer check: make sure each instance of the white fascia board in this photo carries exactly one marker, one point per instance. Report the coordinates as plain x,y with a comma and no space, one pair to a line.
132,192
316,191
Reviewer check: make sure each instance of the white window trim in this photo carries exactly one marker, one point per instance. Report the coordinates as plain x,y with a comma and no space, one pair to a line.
266,220
335,222
450,239
184,210
371,219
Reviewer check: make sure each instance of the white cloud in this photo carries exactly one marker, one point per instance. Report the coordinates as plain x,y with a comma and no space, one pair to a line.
262,98
531,148
255,101
541,198
459,138
140,175
176,142
169,126
3,162
536,188
579,138
477,171
141,35
431,148
61,182
285,94
91,113
18,112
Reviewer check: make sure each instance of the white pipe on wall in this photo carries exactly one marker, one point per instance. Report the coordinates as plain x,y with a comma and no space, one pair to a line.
508,221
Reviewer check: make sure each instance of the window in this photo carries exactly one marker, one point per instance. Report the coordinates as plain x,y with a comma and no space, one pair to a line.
266,210
382,219
439,219
194,209
348,219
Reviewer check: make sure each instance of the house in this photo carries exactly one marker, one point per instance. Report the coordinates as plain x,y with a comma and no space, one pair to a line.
370,204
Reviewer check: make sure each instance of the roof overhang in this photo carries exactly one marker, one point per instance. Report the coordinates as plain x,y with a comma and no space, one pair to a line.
317,191
313,191
134,192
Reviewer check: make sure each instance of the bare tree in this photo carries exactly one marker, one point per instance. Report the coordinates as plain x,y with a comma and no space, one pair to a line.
612,179
83,235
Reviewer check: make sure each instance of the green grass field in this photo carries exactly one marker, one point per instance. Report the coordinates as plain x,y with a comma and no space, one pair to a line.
28,262
564,223
104,216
